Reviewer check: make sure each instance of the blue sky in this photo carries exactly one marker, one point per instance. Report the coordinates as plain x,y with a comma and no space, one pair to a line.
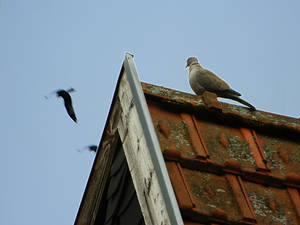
47,45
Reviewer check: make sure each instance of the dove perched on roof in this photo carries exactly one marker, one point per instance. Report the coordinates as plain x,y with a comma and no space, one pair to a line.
204,80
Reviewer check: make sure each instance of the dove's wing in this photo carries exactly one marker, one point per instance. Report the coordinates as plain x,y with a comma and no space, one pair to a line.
211,82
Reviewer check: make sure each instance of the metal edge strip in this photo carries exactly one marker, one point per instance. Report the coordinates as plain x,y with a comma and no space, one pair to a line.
152,141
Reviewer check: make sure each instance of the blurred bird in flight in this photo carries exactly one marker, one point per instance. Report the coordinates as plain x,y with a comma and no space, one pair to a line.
91,148
67,101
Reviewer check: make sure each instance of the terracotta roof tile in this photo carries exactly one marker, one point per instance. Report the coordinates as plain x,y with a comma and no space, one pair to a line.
227,165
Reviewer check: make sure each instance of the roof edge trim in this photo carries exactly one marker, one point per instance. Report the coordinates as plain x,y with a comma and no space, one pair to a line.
152,141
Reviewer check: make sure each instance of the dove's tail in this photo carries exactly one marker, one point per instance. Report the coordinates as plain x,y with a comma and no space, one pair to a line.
235,98
233,92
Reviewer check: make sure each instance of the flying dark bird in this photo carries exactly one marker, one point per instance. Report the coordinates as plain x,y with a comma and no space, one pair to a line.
67,101
91,148
204,80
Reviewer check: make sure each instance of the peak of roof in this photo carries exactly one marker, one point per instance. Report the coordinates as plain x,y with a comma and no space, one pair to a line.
195,160
231,113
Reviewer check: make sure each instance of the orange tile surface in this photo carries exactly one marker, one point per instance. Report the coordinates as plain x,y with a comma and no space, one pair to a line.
227,165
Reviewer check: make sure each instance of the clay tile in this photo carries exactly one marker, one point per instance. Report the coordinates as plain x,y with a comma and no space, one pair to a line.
172,152
224,141
210,99
272,205
284,155
233,164
163,128
293,177
219,213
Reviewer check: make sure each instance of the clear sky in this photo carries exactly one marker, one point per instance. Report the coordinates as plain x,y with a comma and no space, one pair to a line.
47,45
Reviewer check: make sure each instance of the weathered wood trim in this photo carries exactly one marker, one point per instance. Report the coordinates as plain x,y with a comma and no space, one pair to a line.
129,121
100,171
143,153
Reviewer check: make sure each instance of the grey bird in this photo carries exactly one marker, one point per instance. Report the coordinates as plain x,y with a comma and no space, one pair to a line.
67,101
201,80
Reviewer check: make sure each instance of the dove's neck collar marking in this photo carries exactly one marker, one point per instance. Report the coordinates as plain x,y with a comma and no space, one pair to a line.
194,63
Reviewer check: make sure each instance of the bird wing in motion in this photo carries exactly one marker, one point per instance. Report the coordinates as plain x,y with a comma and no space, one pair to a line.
91,148
70,110
68,102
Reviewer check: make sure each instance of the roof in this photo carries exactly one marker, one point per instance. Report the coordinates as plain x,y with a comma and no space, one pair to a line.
195,160
227,164
129,123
